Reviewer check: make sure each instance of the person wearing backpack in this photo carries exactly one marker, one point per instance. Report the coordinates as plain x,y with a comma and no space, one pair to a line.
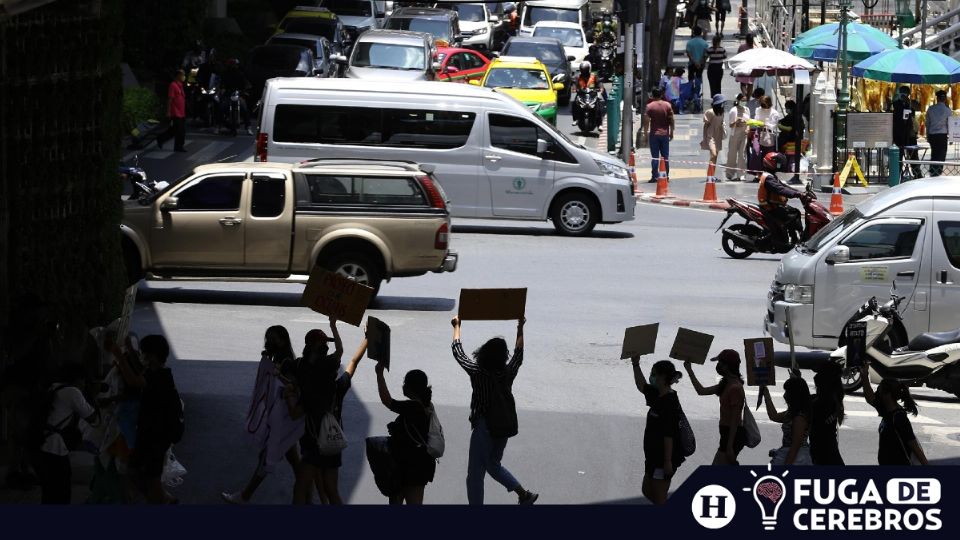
663,446
733,436
65,406
160,424
493,413
318,395
415,467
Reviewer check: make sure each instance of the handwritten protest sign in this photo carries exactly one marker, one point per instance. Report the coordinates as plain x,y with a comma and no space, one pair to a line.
760,367
691,346
856,343
639,340
378,341
492,304
126,314
336,296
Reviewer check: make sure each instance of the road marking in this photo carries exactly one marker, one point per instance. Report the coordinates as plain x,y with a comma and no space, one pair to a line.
211,151
918,419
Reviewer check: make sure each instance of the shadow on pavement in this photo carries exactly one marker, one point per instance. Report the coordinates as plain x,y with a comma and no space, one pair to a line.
281,299
533,231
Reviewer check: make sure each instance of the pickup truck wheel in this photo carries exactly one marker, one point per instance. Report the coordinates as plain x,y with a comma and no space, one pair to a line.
575,214
358,267
131,263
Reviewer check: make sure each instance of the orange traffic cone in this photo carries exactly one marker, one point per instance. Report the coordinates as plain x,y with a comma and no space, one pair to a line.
632,164
663,181
836,200
710,188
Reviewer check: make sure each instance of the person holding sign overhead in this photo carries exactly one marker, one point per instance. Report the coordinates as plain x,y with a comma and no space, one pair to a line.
795,422
321,392
733,437
661,437
493,414
827,415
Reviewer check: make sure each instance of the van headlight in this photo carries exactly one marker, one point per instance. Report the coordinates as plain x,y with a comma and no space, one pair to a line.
798,294
610,169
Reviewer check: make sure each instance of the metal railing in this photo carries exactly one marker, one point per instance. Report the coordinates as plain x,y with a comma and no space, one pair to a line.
777,20
913,169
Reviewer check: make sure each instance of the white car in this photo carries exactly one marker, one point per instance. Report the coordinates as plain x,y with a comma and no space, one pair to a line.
477,24
572,37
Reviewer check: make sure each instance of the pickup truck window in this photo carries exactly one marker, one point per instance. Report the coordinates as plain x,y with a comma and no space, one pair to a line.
269,196
374,190
211,193
365,126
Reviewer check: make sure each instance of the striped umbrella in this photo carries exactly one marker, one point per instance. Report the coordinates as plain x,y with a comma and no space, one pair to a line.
914,66
823,42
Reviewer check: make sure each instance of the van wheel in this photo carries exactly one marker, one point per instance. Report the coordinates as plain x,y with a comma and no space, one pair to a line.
575,214
358,267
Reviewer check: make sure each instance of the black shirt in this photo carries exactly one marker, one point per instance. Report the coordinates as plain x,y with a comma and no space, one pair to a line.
902,122
319,393
895,436
824,443
663,420
409,430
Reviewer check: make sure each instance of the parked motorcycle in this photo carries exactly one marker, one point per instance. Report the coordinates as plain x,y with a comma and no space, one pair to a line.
608,50
741,240
930,359
231,113
208,105
588,103
140,186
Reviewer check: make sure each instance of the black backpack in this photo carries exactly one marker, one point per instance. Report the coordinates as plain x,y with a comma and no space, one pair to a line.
501,415
40,406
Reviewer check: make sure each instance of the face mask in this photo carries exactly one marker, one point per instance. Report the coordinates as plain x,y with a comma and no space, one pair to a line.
720,371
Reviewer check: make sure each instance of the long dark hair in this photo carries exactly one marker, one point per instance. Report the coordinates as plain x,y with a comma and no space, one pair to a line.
283,349
900,393
830,390
797,395
416,386
492,355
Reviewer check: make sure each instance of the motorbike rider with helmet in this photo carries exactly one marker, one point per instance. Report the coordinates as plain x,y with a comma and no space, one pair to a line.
605,30
234,81
773,196
586,80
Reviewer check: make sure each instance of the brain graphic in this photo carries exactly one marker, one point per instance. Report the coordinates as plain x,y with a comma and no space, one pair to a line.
770,490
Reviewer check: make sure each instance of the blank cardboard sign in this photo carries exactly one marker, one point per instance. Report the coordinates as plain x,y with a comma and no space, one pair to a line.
691,346
336,296
378,341
639,340
760,367
492,304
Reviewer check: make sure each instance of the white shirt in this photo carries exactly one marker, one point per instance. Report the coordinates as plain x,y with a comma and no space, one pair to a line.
734,114
770,117
67,403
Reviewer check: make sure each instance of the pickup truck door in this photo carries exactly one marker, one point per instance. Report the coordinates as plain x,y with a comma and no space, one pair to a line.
206,229
269,222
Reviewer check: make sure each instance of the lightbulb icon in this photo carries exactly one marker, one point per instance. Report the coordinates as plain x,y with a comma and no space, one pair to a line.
768,491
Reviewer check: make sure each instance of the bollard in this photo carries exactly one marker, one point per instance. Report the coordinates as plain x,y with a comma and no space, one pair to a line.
613,113
893,162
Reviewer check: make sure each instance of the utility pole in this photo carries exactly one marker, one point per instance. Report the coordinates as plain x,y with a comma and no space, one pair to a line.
923,24
843,100
629,68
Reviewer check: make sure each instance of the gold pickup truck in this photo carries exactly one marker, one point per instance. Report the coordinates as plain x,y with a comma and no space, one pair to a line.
367,220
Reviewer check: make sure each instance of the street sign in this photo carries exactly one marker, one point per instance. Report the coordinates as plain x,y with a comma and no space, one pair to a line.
760,367
856,343
492,304
691,346
336,296
639,340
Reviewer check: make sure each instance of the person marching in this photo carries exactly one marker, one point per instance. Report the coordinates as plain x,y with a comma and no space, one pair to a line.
493,415
661,437
826,415
733,437
794,422
898,445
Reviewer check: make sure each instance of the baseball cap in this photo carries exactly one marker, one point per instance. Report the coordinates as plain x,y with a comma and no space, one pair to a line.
729,357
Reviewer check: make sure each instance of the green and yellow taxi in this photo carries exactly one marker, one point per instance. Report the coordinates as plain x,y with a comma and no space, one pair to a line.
528,81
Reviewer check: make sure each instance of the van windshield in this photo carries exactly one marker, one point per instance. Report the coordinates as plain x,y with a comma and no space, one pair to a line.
831,231
389,56
535,14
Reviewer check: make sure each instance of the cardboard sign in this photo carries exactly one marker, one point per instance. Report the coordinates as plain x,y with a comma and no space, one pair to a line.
639,340
856,343
378,341
126,314
760,367
492,304
336,296
691,346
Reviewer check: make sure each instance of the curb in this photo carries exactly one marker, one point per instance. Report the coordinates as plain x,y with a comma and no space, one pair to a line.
676,201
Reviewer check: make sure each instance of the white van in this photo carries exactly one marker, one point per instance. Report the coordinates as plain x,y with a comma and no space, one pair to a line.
909,233
535,11
493,156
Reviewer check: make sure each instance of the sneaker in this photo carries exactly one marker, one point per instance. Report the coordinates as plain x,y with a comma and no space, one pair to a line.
233,498
528,498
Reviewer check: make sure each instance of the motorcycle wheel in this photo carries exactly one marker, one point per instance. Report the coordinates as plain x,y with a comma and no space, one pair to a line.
585,125
851,380
732,249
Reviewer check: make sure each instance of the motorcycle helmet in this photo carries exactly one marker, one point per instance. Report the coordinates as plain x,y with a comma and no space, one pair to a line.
585,68
774,161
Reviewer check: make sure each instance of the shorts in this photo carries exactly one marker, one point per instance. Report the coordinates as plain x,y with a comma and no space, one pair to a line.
739,439
310,454
654,470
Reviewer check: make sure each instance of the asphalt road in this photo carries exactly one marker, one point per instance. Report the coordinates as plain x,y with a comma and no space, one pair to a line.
581,417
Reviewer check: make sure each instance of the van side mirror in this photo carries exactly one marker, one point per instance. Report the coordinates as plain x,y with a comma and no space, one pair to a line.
542,146
168,204
839,254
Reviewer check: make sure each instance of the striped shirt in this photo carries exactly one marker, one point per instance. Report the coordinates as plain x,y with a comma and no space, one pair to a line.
716,55
482,380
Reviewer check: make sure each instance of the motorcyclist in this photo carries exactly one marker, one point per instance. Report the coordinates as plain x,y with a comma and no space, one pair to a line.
511,10
586,80
773,195
605,30
234,80
194,57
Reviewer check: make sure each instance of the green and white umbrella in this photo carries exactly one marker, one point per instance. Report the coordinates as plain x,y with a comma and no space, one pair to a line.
823,42
912,66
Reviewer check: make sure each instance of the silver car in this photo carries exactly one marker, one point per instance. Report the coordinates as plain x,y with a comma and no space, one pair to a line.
393,55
